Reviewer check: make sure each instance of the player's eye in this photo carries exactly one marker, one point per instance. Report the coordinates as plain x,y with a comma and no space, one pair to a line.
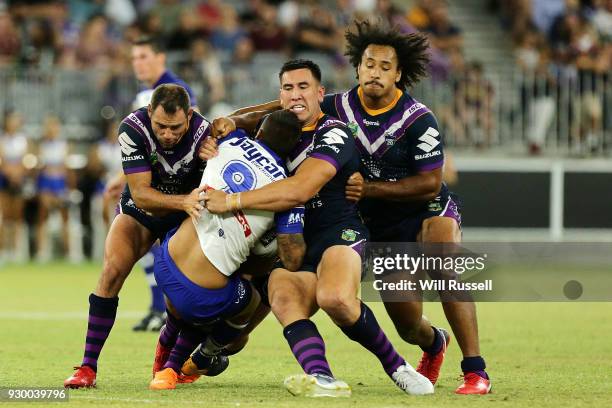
175,127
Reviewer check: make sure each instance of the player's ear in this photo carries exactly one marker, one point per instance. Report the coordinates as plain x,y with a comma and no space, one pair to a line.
398,76
149,110
189,114
321,93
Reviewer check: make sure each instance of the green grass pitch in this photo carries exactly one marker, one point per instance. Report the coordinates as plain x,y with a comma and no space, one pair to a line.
539,354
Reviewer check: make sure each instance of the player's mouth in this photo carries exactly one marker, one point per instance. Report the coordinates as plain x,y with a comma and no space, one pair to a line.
374,83
297,109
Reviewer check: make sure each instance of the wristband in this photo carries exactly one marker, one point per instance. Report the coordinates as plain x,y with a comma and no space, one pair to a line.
232,201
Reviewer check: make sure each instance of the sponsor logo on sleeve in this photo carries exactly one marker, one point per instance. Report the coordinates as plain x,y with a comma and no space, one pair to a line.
429,141
127,145
334,137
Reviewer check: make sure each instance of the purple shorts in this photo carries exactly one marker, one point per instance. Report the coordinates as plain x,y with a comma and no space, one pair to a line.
408,229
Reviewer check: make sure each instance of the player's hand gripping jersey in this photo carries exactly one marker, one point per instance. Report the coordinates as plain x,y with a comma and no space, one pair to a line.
243,164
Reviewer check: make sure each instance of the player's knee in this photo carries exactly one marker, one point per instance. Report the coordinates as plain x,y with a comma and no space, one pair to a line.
333,301
280,300
440,229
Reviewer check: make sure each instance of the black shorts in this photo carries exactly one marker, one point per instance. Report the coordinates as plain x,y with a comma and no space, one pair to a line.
408,229
159,226
354,235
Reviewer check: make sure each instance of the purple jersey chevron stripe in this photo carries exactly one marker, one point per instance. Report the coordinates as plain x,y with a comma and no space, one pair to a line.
139,121
303,144
197,132
349,109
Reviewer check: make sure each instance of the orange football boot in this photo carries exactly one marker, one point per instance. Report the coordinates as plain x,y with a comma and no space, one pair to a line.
165,379
187,379
161,356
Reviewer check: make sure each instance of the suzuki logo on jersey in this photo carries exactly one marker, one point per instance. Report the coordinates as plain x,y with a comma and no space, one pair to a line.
127,145
429,140
334,136
371,123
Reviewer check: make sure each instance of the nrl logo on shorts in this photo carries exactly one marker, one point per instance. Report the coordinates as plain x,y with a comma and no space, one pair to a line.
434,206
153,158
349,235
353,127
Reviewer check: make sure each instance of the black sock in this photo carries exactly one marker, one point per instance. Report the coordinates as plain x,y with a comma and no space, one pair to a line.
102,313
307,346
367,332
474,365
437,344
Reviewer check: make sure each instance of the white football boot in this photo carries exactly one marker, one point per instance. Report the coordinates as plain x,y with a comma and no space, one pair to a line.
316,385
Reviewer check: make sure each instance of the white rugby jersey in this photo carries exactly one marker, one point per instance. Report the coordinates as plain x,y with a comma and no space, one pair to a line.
53,152
242,165
13,147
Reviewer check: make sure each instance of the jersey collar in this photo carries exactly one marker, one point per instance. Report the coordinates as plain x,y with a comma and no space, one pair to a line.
374,112
313,126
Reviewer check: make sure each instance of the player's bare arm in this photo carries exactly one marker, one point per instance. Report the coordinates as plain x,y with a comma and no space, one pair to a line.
152,200
223,126
269,107
281,195
291,250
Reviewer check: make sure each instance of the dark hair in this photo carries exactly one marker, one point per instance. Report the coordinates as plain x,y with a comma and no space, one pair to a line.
154,43
171,97
281,131
299,64
411,49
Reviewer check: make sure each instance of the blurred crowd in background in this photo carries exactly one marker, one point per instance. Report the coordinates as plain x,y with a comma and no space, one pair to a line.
66,81
563,46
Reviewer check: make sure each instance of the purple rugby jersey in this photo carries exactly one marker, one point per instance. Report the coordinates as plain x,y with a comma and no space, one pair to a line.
175,171
328,140
394,143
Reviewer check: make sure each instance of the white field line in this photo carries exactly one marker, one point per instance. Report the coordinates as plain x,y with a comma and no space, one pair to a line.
148,401
16,315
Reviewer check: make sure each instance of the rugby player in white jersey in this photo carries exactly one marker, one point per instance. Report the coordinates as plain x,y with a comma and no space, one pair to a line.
197,262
